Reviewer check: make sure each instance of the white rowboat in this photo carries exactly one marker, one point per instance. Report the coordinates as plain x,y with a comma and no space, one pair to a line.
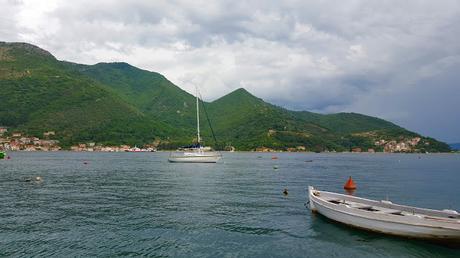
386,217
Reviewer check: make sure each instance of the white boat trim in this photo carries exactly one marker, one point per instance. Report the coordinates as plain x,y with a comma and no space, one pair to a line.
197,158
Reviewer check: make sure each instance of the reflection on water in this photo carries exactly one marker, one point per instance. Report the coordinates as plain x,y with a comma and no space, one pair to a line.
133,204
350,191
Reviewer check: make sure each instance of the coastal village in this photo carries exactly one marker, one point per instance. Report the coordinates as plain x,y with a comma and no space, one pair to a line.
16,141
90,147
389,146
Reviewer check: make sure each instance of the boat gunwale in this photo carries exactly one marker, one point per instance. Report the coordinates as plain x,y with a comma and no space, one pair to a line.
381,204
387,219
383,217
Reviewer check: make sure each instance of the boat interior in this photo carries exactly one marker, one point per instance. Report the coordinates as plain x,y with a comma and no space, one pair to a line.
366,207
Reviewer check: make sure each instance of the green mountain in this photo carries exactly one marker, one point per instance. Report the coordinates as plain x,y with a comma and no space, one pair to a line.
249,123
150,92
116,103
39,94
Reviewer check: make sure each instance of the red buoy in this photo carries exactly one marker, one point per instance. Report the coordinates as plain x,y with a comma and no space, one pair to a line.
350,184
274,157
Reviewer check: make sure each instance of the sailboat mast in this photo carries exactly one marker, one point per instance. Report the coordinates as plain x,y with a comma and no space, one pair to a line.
197,117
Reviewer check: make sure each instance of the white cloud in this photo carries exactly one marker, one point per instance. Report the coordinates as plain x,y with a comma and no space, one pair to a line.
363,56
356,52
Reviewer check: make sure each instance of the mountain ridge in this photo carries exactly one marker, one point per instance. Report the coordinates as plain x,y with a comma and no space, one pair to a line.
116,103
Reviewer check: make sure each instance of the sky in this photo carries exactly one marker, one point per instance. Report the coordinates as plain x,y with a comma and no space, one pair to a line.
397,60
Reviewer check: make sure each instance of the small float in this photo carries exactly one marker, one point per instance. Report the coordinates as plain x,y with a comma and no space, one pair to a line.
386,217
36,179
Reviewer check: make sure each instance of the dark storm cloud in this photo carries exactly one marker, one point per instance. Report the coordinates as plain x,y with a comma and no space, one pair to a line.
375,57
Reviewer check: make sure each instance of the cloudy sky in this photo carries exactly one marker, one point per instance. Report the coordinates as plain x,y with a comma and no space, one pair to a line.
398,60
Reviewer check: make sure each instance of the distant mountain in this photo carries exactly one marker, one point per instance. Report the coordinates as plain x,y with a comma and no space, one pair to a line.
116,103
455,146
243,120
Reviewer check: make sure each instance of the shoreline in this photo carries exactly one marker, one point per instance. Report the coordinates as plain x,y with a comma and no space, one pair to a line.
258,152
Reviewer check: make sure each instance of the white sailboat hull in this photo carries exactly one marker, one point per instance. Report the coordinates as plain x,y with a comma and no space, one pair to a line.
421,223
194,158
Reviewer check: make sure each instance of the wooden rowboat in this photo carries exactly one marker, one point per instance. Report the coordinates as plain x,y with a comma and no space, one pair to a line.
386,217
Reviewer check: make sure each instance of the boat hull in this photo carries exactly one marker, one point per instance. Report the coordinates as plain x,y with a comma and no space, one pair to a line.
194,159
411,226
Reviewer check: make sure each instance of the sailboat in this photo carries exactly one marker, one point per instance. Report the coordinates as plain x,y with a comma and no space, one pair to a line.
195,153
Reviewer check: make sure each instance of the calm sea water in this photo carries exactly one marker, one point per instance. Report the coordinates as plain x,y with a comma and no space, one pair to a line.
133,204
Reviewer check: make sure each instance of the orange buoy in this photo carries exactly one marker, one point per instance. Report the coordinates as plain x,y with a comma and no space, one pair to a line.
350,184
274,157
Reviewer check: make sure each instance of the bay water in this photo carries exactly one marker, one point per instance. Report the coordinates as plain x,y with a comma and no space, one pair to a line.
138,204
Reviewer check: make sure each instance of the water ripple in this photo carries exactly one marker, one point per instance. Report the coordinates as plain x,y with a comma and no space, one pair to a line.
137,204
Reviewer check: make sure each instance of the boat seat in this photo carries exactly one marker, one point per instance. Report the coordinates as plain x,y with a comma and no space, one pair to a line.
388,211
359,205
336,201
